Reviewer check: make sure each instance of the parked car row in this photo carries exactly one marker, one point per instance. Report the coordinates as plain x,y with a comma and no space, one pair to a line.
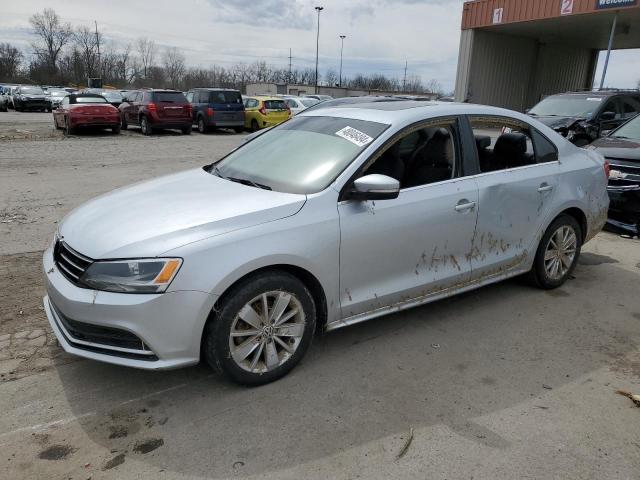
31,97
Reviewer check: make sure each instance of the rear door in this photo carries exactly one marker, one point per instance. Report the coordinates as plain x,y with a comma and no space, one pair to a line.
227,105
172,106
516,186
277,111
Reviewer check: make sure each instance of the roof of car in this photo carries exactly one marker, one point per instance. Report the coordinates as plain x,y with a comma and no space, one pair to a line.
600,93
215,89
264,97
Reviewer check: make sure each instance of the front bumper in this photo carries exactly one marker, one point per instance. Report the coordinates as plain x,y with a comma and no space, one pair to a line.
624,210
169,326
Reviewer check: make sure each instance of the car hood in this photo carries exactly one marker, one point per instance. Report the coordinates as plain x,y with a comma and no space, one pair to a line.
556,122
622,148
152,217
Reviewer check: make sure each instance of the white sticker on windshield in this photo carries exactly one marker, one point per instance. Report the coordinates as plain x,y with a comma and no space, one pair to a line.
355,136
593,99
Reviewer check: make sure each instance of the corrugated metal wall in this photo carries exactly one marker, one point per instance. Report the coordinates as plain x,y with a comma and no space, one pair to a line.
479,13
515,72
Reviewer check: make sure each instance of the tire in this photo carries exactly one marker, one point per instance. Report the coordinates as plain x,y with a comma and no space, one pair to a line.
123,124
542,274
253,368
238,129
116,130
186,130
144,126
254,125
67,128
202,128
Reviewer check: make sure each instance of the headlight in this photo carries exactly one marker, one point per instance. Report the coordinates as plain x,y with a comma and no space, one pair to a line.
132,276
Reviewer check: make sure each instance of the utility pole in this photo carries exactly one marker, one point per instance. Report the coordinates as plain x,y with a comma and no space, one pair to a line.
342,37
404,82
98,45
319,9
289,79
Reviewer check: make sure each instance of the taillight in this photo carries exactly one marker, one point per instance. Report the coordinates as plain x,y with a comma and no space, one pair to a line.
210,111
607,168
263,110
151,107
289,110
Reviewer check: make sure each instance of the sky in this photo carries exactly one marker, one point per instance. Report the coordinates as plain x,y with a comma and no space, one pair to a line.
381,34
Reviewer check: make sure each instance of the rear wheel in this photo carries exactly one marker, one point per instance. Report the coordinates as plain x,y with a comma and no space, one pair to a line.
254,125
202,127
123,124
145,126
262,328
557,254
68,130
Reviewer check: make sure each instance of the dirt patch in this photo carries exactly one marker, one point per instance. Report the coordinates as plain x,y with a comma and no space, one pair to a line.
56,452
118,431
147,446
114,462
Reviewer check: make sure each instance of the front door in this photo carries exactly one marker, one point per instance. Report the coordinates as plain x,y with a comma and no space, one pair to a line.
395,251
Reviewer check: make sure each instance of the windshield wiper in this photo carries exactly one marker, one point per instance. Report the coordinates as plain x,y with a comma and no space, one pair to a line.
250,183
216,171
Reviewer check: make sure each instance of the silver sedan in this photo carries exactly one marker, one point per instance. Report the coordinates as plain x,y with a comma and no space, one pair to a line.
337,216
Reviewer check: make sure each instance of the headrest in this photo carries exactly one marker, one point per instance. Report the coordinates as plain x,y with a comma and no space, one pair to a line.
511,144
482,141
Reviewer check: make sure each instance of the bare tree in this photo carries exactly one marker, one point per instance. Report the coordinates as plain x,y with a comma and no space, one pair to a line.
174,66
434,86
10,60
147,50
86,42
331,77
52,35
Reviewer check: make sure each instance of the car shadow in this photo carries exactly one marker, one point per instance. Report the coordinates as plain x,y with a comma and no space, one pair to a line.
445,363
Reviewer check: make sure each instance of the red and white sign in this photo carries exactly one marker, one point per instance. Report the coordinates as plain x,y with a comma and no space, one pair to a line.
497,15
567,7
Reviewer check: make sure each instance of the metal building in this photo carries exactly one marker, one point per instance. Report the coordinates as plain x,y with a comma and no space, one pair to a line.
514,52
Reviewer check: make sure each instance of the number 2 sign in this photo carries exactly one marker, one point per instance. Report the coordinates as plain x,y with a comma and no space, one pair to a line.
567,7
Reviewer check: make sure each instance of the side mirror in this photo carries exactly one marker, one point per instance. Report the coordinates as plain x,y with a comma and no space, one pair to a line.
606,116
375,187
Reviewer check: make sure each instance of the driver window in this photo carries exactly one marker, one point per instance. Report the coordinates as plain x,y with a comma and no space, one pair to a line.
422,156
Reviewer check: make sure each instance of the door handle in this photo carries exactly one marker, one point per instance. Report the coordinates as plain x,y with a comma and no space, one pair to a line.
465,205
545,187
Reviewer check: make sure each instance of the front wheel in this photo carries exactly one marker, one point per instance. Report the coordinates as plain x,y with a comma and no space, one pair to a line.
68,129
116,129
186,130
145,126
262,328
557,254
202,127
254,125
123,124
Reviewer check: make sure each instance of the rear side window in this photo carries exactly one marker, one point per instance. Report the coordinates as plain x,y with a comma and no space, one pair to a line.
275,105
225,97
170,97
502,143
546,151
630,107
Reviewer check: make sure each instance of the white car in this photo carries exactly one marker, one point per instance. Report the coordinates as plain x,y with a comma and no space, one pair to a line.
299,104
336,216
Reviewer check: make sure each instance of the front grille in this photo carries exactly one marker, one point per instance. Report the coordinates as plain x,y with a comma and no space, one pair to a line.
102,338
71,263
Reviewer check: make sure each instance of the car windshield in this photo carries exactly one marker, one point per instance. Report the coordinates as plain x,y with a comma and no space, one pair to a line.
303,155
225,97
630,129
32,90
275,105
90,100
308,102
567,106
170,97
58,93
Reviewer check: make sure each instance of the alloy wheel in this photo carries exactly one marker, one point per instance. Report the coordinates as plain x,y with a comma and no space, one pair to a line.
560,252
267,331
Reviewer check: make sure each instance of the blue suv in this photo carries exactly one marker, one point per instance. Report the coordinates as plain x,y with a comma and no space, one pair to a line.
217,108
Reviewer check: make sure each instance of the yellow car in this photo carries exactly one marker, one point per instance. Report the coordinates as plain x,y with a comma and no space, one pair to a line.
264,112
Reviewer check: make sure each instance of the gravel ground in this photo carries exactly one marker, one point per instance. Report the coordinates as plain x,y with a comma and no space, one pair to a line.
500,383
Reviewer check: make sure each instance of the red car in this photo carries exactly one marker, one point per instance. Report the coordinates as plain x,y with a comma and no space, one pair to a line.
156,109
81,110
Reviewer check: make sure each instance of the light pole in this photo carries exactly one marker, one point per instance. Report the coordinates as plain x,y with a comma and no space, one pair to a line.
342,37
319,9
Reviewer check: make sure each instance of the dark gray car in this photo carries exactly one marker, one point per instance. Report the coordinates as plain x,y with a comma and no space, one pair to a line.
217,108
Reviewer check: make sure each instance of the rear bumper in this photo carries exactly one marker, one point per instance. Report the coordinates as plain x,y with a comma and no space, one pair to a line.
79,122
